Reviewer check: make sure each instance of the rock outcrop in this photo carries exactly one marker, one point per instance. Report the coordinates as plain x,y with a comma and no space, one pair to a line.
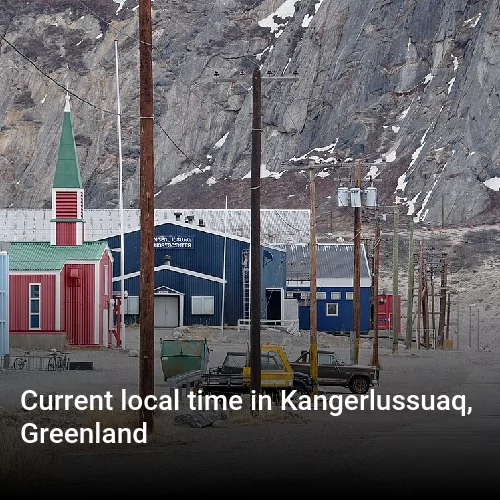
411,86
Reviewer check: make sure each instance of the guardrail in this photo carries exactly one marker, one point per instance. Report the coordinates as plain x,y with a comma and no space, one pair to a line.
285,323
184,382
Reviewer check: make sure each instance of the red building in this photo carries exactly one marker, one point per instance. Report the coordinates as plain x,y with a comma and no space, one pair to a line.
386,313
61,290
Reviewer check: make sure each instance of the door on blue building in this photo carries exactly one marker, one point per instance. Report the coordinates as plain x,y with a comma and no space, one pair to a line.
274,301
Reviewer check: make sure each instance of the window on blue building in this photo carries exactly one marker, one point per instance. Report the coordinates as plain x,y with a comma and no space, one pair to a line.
332,309
349,296
335,296
202,304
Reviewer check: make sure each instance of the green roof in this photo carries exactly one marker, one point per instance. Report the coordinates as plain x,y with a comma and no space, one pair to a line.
35,256
67,171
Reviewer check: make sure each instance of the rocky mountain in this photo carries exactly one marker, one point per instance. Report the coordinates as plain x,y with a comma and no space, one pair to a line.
410,86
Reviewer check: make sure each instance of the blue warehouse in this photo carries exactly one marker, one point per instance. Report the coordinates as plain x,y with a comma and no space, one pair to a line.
190,279
334,286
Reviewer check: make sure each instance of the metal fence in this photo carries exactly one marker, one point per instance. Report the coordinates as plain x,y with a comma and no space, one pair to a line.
30,362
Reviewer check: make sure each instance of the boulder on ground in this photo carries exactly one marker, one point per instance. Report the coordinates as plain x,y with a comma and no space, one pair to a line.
196,420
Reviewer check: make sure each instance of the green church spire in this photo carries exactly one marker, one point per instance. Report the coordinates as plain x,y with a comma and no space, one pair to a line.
67,171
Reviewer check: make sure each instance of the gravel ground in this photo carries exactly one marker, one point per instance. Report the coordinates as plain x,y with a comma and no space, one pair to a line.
432,444
114,369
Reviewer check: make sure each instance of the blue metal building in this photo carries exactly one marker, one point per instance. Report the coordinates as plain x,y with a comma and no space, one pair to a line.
189,277
334,285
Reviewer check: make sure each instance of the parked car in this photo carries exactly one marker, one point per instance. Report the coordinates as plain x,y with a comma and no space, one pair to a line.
334,371
233,376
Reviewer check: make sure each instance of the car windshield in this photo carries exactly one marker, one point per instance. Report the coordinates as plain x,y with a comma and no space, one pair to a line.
235,360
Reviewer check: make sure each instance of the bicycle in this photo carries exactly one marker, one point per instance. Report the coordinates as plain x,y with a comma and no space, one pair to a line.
21,363
58,361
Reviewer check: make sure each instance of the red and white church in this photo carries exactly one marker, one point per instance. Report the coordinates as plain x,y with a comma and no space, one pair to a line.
61,290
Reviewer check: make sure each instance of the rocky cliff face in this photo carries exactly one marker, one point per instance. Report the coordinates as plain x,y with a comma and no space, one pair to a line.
411,86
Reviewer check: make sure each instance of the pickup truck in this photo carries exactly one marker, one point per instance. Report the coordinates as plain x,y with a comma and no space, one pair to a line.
233,376
334,371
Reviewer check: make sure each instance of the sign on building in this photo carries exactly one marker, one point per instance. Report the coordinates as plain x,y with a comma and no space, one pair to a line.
173,242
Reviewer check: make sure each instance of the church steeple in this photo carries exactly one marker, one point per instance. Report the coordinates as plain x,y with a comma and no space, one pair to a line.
67,171
67,192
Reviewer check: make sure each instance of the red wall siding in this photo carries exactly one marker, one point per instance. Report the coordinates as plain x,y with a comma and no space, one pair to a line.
385,312
63,301
66,205
105,297
80,304
65,233
19,302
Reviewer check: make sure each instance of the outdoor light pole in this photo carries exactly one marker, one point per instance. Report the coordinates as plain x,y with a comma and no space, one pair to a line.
120,197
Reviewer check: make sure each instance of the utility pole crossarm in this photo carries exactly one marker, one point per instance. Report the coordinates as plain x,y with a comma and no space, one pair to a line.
263,78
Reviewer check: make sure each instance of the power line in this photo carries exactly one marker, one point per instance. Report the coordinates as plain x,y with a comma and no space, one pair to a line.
13,47
81,98
64,88
189,87
173,142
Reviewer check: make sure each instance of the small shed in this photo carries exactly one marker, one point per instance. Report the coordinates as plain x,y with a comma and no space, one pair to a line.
386,311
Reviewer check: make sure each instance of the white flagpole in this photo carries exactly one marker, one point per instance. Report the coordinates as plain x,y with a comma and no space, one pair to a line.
224,274
120,182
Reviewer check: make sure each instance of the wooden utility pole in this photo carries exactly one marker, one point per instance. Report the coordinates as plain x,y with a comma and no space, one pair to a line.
255,276
376,267
255,196
419,303
357,267
409,308
147,282
478,331
433,301
395,281
448,317
442,210
442,301
425,307
313,312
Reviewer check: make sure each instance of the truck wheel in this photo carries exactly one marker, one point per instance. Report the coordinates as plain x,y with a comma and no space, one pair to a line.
301,390
359,385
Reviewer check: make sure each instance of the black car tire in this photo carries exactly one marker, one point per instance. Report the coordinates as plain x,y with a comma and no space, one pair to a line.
359,385
301,390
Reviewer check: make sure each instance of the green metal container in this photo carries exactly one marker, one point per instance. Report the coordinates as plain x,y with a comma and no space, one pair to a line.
181,356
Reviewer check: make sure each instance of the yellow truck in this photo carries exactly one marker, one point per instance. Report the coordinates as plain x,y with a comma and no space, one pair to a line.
233,376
